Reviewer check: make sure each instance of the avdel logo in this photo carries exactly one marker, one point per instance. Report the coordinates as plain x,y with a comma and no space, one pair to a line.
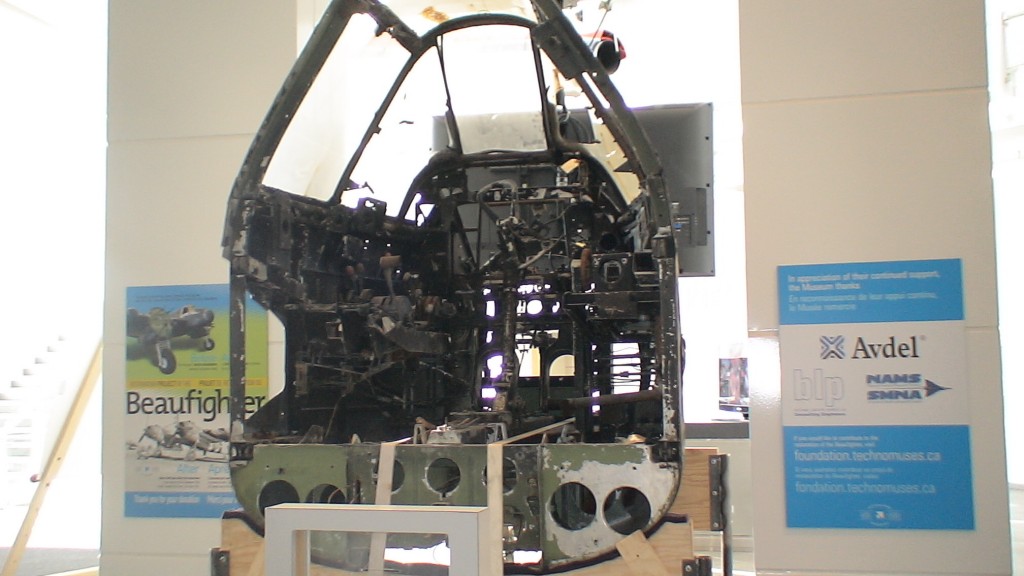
890,348
901,387
832,347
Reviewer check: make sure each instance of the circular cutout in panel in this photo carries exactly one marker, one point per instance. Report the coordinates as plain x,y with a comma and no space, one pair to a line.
564,365
277,492
443,476
573,506
326,494
509,476
627,510
397,475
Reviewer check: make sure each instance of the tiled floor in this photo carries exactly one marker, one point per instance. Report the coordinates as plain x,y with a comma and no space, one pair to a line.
57,545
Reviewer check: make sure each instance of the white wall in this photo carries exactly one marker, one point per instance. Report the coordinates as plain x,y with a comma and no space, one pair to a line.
189,83
52,149
1006,78
866,139
51,170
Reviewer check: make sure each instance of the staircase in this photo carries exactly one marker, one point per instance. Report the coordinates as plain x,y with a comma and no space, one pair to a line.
32,406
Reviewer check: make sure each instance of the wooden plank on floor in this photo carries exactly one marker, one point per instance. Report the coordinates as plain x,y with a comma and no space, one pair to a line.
640,556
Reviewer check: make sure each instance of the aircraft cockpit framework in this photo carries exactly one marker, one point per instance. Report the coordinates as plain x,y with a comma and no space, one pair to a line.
478,262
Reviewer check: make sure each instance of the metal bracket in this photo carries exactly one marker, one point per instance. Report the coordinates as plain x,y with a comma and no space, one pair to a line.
241,452
699,566
220,562
666,452
718,467
552,36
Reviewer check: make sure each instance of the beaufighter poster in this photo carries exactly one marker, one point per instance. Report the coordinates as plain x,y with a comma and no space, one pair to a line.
177,398
875,396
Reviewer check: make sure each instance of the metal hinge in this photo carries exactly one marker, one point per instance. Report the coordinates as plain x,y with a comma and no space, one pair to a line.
717,467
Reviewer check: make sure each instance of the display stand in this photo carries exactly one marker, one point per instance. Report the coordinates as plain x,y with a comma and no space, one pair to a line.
700,504
289,525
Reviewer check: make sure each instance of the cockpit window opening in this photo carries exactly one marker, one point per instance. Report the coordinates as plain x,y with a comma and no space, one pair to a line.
327,127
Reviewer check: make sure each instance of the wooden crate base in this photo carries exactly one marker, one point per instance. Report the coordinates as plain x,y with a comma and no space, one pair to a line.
660,554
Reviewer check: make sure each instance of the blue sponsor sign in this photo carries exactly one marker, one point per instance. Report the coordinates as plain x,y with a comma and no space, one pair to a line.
918,290
879,477
874,381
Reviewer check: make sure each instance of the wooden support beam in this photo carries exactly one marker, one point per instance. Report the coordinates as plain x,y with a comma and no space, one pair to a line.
385,474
